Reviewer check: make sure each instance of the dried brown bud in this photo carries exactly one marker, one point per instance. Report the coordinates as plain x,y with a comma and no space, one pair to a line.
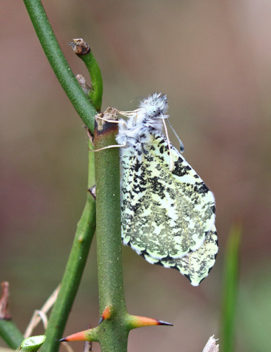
79,46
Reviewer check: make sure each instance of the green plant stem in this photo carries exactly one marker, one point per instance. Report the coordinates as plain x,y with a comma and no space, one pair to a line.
10,333
74,268
230,290
59,64
72,277
86,111
113,333
96,90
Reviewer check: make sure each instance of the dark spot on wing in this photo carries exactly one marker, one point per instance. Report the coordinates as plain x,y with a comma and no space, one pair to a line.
201,188
180,169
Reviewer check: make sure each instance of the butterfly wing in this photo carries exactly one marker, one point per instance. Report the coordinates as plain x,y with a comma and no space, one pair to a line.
195,265
165,214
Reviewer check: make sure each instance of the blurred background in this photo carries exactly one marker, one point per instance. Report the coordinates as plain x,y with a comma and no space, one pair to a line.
213,60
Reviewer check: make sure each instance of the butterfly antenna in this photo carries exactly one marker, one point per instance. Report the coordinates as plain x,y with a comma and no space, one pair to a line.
169,146
181,143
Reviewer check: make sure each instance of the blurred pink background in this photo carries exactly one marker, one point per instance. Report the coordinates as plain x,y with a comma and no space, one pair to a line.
213,60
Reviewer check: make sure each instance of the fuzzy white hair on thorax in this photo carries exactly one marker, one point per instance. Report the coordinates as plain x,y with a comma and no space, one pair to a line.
149,116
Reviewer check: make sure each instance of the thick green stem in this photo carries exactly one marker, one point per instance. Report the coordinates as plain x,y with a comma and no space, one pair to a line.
10,333
114,334
59,64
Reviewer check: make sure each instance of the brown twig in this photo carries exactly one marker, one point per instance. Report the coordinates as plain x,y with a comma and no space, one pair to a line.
4,308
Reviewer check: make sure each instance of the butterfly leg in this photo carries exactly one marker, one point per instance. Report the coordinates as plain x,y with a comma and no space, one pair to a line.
108,120
108,147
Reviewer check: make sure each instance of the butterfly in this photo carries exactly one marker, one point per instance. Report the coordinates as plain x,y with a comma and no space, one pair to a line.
167,211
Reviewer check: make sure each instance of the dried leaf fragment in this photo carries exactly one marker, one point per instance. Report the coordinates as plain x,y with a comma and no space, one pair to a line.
211,345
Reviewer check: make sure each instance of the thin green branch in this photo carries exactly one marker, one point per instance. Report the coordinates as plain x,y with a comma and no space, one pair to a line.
72,277
109,257
75,266
59,64
96,80
10,333
230,289
82,50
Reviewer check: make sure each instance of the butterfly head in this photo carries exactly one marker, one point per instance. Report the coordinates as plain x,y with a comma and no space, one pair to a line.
155,106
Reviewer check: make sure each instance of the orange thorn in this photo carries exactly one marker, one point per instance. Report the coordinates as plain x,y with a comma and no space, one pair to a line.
79,336
106,314
138,322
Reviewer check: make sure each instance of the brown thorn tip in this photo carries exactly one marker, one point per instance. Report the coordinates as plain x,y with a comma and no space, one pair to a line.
105,315
100,320
138,322
161,322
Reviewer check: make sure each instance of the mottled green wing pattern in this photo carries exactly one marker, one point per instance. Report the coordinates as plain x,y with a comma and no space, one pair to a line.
194,265
165,214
